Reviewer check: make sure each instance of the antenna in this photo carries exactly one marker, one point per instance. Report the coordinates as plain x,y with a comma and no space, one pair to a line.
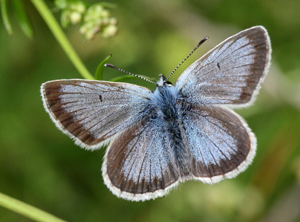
200,43
122,70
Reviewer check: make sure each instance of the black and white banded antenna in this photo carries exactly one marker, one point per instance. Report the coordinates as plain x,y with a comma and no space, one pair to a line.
200,43
122,70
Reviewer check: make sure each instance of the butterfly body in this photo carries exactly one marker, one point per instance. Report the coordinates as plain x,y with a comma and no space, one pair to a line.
170,108
176,133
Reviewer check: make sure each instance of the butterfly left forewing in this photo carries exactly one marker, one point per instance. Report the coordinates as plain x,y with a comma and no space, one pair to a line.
91,112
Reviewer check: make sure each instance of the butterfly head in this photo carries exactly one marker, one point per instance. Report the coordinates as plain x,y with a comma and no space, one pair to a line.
163,81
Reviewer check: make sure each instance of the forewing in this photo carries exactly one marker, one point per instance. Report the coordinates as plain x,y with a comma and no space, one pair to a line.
220,142
91,112
139,164
231,73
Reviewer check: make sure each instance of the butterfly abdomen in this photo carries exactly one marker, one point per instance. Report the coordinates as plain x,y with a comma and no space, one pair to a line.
180,152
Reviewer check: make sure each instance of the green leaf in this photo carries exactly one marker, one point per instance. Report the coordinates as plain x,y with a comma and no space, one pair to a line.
5,18
99,71
23,18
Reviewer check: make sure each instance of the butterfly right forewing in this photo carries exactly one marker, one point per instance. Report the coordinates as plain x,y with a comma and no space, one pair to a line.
230,73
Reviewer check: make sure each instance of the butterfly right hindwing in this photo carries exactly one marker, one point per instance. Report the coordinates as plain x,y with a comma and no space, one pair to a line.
220,142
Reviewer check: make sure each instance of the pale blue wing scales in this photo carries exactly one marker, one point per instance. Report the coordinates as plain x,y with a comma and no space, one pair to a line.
231,73
91,112
139,164
220,142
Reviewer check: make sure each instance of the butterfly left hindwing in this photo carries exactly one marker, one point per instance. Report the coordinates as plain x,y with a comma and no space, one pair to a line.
139,164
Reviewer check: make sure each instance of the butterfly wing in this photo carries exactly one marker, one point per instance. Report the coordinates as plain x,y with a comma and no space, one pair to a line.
231,72
139,163
91,112
220,142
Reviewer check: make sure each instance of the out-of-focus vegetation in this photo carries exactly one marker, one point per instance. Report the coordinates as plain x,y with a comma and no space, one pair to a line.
44,168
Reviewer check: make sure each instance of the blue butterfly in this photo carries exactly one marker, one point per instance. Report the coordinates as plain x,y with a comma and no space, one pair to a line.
176,133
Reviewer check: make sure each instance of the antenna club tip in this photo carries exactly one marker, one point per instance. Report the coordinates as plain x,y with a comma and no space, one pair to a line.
109,65
203,40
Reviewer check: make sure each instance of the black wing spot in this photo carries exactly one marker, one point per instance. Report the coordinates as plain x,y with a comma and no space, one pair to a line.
218,64
100,97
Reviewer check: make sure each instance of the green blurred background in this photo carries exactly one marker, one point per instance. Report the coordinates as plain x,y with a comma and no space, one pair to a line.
44,168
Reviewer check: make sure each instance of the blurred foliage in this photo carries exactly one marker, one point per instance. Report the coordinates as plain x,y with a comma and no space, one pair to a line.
95,18
44,168
21,15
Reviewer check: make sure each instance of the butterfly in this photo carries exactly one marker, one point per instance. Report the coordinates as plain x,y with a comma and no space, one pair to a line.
176,133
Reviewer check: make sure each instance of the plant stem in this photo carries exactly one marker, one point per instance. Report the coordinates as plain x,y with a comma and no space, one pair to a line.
61,38
26,210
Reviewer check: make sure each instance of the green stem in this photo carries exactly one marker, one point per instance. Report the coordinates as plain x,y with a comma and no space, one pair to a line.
61,38
26,210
